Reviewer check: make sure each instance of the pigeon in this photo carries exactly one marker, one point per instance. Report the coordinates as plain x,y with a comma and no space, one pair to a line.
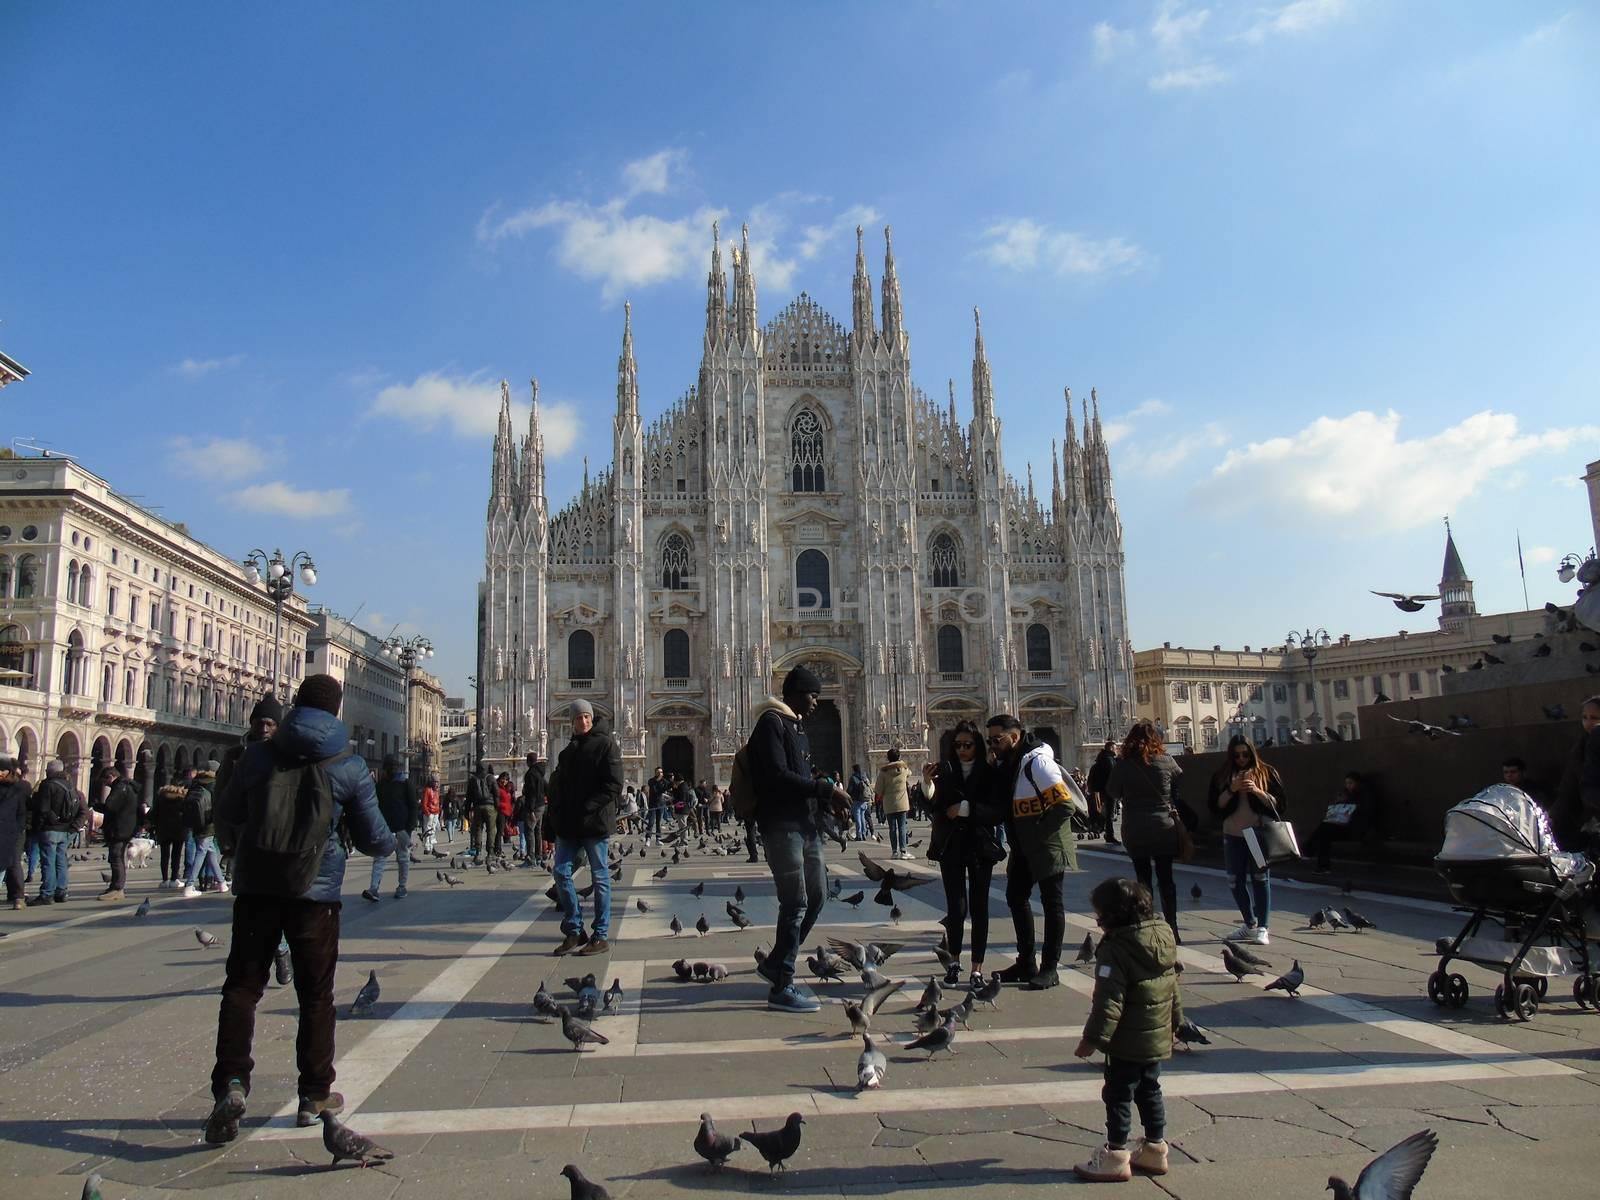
489,867
208,940
1394,1174
1380,698
715,972
1289,981
452,880
855,900
682,969
1336,920
739,919
1318,919
873,978
888,877
777,1145
589,998
661,874
144,908
926,1020
91,1188
1554,712
544,1004
1194,892
988,992
824,965
584,1188
1086,951
1246,955
931,995
339,1140
874,999
1333,734
366,997
942,1038
1237,967
1492,661
1500,639
1357,921
856,1016
1432,732
835,886
698,890
675,925
959,1012
872,1066
613,996
639,904
712,1146
702,926
1447,669
1189,1034
1542,652
1404,602
895,914
578,1032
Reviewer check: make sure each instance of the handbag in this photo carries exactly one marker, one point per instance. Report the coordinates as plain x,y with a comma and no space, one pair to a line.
1185,840
1272,841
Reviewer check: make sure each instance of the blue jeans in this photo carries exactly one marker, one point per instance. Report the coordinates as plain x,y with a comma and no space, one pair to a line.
53,862
402,857
859,812
34,847
205,854
652,821
897,832
1252,885
567,851
800,877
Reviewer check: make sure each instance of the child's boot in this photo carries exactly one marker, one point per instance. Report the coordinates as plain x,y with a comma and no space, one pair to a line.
1107,1166
1149,1157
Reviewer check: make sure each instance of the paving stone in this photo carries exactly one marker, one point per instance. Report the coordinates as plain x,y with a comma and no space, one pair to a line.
1244,1138
971,1120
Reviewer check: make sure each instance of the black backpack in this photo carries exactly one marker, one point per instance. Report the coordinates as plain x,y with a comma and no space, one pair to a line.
288,813
63,804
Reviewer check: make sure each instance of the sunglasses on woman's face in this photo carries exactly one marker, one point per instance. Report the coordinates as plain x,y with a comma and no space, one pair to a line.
966,745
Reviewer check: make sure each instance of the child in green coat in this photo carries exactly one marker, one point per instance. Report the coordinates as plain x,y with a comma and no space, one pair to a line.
1135,1013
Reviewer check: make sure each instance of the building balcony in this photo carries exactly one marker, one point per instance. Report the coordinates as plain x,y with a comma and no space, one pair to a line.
680,685
132,713
951,678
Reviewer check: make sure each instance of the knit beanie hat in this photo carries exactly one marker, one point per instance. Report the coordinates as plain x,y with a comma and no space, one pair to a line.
320,691
267,707
582,708
799,681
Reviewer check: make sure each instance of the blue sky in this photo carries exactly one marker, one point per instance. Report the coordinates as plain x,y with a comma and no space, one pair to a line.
1330,264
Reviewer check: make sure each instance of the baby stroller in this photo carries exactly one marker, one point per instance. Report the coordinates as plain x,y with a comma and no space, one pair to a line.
1503,867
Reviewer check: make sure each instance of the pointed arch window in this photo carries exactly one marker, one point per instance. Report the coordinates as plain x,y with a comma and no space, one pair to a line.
675,654
677,562
1038,640
806,451
952,650
811,580
580,655
944,562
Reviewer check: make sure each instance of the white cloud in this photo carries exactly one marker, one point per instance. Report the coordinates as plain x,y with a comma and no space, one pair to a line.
1024,245
1174,28
1293,19
653,175
1109,41
1538,556
221,458
1358,473
1115,431
1547,32
199,368
286,500
469,406
816,238
1191,78
1163,454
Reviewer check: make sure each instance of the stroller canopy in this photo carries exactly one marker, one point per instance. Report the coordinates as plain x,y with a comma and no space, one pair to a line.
1499,824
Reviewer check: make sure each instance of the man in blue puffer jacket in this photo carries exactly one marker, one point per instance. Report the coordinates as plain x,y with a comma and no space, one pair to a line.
263,910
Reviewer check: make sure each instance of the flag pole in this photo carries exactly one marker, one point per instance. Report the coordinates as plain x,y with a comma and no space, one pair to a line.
1522,567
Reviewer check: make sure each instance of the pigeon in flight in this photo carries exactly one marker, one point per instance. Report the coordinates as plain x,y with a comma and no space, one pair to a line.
1189,1035
872,1066
875,998
1432,732
942,1038
144,908
712,1146
1380,698
208,940
702,926
777,1145
1500,639
1289,981
366,997
1404,602
584,1188
1086,951
1357,921
675,925
343,1142
1237,967
613,996
579,1032
824,965
1394,1174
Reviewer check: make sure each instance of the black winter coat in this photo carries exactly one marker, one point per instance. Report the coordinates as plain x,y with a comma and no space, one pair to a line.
587,787
533,797
970,838
49,798
400,806
480,792
121,809
166,814
13,819
780,768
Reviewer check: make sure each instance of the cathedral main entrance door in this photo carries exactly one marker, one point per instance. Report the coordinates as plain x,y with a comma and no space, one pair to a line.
825,731
677,757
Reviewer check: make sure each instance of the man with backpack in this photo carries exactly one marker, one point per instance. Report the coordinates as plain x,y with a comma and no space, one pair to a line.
121,809
787,808
281,819
402,812
531,808
200,814
481,803
54,814
584,794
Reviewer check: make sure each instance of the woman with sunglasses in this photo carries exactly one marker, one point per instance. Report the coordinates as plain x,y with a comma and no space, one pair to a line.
963,843
1242,792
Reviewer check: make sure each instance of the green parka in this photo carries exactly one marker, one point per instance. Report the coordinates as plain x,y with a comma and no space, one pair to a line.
1136,1005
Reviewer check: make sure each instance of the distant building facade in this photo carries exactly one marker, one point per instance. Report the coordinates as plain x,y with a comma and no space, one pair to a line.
374,683
426,713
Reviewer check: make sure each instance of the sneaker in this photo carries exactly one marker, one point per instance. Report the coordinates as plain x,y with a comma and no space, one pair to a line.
790,999
595,945
1241,934
284,967
1259,937
400,893
18,905
222,1126
1106,1166
38,900
111,895
768,970
59,898
1019,972
1044,980
224,888
311,1109
369,894
192,893
570,943
952,975
1149,1157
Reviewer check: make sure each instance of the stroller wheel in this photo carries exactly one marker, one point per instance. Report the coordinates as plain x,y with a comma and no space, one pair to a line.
1582,991
1500,1000
1541,985
1526,1002
1438,990
1458,991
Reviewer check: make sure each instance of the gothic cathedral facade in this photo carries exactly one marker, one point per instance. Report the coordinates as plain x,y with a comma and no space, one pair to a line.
803,502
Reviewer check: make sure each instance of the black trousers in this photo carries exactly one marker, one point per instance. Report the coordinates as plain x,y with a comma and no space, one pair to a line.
14,876
1019,895
311,927
1162,863
117,855
171,859
966,894
1322,840
1128,1083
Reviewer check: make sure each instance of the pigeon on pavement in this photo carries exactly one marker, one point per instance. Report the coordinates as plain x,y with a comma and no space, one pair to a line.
872,1066
452,880
926,1020
208,940
739,919
613,996
824,965
960,1012
682,969
544,1004
942,1038
698,890
854,900
712,1146
988,992
873,978
738,895
343,1142
1318,919
777,1145
584,1188
661,874
895,914
1086,951
702,926
639,904
579,1033
1357,920
1335,920
1246,955
1190,1034
931,995
1394,1174
857,1018
366,997
675,925
144,908
1237,967
1289,981
1194,892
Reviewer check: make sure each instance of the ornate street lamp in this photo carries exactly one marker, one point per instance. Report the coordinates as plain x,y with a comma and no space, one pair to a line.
279,585
408,652
1310,643
1587,570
